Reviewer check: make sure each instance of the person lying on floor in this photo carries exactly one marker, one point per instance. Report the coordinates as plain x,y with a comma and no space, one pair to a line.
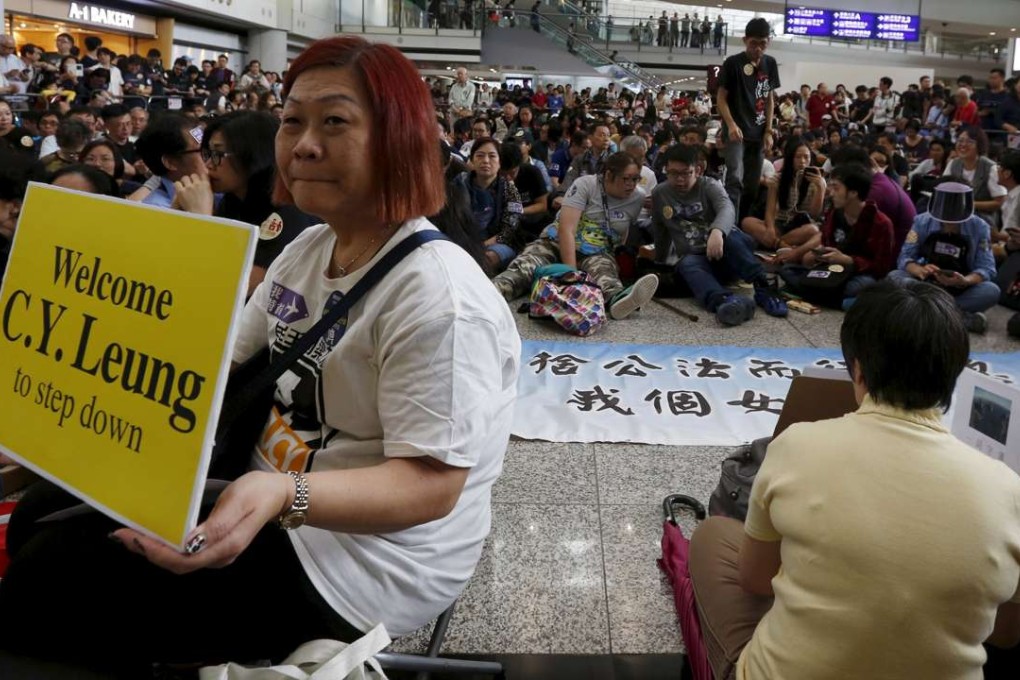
598,211
694,214
876,545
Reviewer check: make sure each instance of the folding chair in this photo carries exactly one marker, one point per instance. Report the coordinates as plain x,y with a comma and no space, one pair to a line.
430,663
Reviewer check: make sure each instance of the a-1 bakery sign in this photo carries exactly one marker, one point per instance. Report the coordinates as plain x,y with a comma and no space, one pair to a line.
102,16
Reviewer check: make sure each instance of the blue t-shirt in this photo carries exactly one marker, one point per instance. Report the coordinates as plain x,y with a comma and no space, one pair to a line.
554,103
559,163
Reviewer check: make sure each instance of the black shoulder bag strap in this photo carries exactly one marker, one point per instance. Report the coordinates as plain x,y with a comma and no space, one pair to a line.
276,368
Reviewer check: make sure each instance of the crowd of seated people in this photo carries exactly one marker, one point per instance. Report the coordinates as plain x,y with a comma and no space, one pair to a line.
811,211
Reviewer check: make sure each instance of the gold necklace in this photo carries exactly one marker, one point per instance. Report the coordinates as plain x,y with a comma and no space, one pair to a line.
343,271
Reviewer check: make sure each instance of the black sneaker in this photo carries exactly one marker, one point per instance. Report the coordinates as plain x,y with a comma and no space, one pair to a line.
975,322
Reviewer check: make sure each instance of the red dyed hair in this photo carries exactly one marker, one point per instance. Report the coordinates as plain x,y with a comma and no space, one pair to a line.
407,169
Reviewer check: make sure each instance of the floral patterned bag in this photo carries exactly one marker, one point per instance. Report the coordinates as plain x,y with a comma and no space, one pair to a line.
572,299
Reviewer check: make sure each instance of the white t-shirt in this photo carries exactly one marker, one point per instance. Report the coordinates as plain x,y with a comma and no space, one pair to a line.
647,183
116,82
13,63
428,367
994,188
1011,209
49,145
885,109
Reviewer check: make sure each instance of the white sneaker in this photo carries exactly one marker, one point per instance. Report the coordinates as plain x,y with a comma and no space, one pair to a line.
635,297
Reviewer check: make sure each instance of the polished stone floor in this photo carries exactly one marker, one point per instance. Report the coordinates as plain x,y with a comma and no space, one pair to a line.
568,585
570,566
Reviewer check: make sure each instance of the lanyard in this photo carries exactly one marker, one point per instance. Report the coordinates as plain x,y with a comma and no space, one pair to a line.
605,204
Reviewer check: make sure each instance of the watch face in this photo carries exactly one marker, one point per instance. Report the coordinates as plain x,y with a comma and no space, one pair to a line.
292,520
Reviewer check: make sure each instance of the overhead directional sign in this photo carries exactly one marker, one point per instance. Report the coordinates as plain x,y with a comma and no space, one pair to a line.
851,24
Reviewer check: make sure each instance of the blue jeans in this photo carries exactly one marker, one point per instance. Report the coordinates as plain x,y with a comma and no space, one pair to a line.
979,298
858,283
704,276
504,252
743,173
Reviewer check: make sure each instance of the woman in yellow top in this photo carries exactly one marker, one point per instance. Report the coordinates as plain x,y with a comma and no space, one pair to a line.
876,545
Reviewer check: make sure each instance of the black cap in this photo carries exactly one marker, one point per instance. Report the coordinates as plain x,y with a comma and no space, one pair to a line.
757,28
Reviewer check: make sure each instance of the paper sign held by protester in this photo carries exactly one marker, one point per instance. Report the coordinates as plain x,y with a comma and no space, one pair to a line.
115,336
986,415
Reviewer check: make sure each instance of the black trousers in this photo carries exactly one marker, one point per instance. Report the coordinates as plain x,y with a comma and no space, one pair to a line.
74,596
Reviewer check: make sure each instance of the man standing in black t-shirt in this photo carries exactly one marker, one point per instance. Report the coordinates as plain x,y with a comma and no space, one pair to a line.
746,96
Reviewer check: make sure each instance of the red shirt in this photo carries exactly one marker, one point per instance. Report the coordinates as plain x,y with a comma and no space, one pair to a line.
539,100
818,106
968,114
870,241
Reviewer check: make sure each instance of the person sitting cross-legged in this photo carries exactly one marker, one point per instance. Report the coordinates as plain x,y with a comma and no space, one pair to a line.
856,243
694,214
950,246
876,545
598,211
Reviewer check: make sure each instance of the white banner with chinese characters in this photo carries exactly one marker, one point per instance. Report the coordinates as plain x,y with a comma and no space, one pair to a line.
668,394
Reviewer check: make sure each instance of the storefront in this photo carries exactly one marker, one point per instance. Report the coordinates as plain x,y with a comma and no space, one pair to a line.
200,43
123,31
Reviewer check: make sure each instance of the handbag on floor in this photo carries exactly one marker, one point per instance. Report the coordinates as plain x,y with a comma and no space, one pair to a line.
316,660
733,492
570,298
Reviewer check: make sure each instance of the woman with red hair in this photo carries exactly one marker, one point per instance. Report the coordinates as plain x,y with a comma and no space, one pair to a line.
368,496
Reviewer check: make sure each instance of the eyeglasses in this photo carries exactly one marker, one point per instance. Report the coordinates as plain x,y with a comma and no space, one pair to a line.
214,157
676,174
963,141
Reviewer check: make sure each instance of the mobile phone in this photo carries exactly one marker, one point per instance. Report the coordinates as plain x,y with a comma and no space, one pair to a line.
79,70
812,170
819,251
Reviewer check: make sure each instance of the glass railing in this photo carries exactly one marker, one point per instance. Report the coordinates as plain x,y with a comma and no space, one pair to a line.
413,16
637,34
630,34
589,51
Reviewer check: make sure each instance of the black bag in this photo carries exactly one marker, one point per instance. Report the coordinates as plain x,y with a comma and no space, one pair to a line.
733,492
248,397
671,285
817,284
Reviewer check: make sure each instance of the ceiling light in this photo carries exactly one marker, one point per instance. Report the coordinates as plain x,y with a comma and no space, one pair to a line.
24,25
991,32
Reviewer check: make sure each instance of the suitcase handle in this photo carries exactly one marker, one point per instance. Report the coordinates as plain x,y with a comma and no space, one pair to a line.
681,499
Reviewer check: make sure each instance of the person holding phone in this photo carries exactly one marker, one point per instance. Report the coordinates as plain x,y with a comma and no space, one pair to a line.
793,206
950,246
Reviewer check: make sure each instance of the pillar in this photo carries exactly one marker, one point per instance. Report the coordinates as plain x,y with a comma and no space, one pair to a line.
269,47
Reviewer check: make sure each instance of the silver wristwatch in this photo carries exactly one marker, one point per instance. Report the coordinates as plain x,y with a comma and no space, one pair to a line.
296,515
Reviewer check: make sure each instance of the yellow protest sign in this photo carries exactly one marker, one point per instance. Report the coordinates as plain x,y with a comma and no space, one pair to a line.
115,326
